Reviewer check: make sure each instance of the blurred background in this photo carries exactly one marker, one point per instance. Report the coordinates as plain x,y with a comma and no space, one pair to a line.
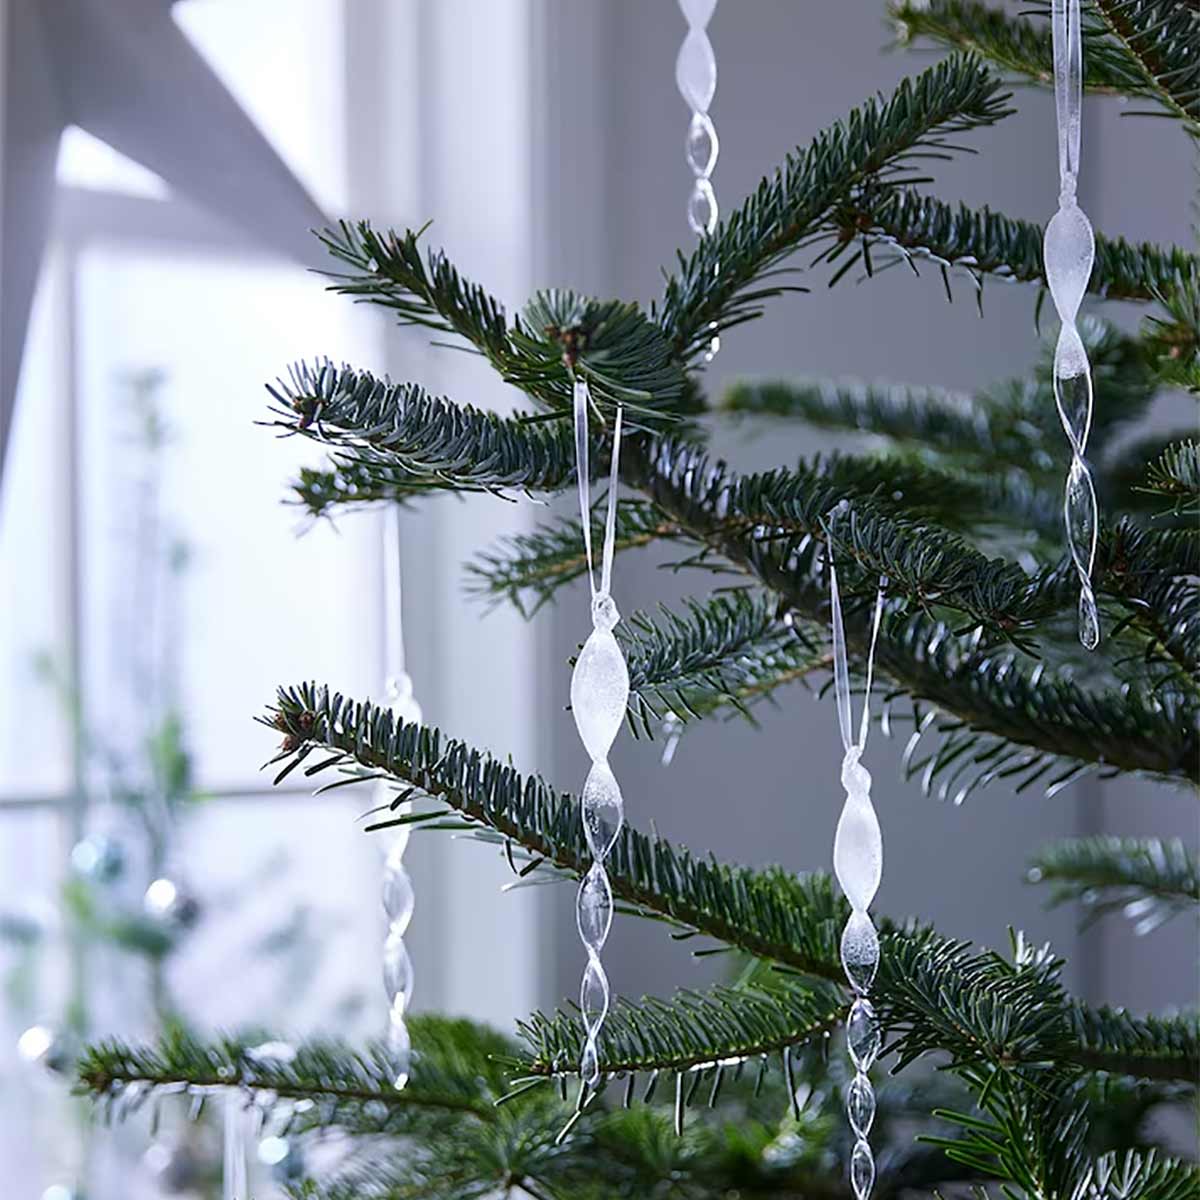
155,587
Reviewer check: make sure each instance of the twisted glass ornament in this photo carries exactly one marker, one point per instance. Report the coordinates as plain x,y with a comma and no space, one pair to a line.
696,78
398,897
858,863
599,694
1069,249
233,1170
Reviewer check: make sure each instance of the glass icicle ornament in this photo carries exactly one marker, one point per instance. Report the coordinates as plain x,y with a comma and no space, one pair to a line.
397,965
599,694
1069,249
696,78
858,864
398,897
233,1173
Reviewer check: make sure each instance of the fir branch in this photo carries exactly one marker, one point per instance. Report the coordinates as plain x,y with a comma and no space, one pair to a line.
352,483
528,568
394,441
782,517
1175,475
1150,1047
984,243
446,1075
993,1014
980,690
514,1155
913,416
612,344
981,1008
730,651
560,333
1122,479
1161,36
933,567
917,490
1173,340
769,913
638,1151
425,290
800,1156
1148,879
1037,1140
1137,48
692,1032
645,1155
1154,576
1015,44
714,287
535,565
1153,653
787,513
1013,423
1007,691
1148,1176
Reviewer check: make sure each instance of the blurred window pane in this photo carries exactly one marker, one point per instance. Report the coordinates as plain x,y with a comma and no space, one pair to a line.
297,951
35,755
260,606
34,1106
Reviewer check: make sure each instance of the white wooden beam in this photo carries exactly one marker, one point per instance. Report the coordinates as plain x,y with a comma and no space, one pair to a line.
124,71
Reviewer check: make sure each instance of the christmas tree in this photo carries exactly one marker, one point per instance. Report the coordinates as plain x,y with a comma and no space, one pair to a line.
732,1091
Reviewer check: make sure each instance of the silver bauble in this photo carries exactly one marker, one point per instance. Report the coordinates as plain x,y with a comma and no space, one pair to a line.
168,902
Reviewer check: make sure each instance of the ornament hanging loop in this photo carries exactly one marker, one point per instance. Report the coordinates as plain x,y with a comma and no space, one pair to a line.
841,665
601,593
1067,36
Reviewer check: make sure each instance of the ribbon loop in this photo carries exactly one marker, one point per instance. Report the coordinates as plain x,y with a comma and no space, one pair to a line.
1068,89
582,471
582,400
841,668
841,665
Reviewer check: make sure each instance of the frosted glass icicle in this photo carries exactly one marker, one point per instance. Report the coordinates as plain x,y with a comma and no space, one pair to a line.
696,78
858,864
599,694
398,896
233,1174
1069,249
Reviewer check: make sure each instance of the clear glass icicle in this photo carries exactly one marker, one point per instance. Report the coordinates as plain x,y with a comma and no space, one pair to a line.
696,78
1069,249
398,897
599,694
858,863
233,1171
